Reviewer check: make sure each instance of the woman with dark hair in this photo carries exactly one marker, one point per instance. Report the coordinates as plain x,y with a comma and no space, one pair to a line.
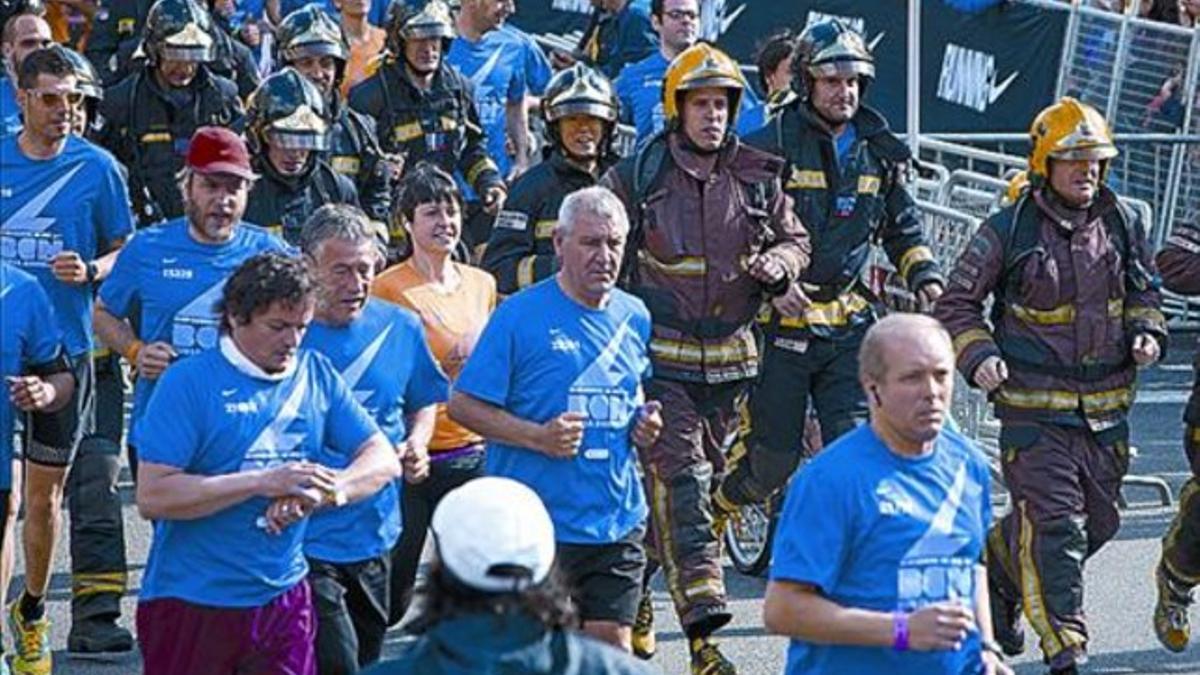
454,302
493,602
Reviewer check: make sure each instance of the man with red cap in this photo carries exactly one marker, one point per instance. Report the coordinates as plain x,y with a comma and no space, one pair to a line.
172,274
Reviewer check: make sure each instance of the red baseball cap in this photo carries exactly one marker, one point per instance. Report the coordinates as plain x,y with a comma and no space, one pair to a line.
219,150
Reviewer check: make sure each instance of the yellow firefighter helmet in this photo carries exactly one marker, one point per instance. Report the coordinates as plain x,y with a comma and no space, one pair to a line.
1069,130
699,66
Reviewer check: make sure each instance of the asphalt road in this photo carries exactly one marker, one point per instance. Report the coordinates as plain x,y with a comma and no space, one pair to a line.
1120,586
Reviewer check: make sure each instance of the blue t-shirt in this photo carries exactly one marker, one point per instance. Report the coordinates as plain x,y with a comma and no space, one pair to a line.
543,354
538,70
874,530
29,336
496,68
10,110
639,88
386,363
175,282
210,418
76,201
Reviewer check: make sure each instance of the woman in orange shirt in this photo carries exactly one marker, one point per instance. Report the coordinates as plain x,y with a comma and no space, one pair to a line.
454,302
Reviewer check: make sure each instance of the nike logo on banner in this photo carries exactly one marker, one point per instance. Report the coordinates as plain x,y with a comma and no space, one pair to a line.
969,78
28,218
998,89
359,366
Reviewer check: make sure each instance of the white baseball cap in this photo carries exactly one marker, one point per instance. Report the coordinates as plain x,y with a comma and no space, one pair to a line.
494,534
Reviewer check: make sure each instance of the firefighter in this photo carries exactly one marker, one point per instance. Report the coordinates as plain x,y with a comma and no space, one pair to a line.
713,235
1178,570
1075,311
846,176
424,108
150,116
287,129
580,111
312,42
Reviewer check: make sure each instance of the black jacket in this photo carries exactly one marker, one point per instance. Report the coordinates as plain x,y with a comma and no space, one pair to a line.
844,208
148,130
116,33
439,125
354,152
520,250
283,203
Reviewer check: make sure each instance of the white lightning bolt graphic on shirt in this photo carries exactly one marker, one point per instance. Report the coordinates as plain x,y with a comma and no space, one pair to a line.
485,71
28,218
358,367
940,539
274,444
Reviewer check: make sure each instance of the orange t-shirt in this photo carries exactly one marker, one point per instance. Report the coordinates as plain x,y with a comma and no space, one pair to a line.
453,322
361,55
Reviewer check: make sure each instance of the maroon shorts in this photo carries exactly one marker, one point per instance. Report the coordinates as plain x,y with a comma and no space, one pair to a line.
182,638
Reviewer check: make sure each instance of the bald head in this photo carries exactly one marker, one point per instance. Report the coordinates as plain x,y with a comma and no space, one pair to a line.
906,365
22,35
894,335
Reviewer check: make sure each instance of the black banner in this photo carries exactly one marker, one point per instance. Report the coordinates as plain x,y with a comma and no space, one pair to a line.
985,71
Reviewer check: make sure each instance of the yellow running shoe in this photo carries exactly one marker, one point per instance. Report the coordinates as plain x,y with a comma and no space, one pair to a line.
644,642
32,642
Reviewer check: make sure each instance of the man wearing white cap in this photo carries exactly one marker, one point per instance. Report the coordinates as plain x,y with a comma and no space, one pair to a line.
493,601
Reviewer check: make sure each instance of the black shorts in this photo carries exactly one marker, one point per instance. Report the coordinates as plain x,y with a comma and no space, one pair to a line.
51,439
605,579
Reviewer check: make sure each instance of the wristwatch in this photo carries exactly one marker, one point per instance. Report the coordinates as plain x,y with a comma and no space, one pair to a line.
92,272
335,497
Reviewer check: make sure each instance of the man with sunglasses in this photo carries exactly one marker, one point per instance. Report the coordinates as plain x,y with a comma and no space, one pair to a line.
639,85
64,210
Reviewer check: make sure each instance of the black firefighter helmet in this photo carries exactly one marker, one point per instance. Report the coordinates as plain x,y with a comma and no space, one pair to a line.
311,31
829,48
408,20
580,90
180,30
288,111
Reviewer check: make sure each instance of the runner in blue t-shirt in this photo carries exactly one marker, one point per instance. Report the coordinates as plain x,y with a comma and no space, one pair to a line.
37,377
231,444
172,274
31,356
64,210
879,547
555,385
639,84
30,349
494,59
380,350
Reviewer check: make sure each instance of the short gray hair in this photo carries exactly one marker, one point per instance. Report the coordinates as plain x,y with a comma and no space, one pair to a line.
338,221
872,358
596,201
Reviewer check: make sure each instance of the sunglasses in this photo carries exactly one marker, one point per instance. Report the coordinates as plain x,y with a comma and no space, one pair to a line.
51,99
